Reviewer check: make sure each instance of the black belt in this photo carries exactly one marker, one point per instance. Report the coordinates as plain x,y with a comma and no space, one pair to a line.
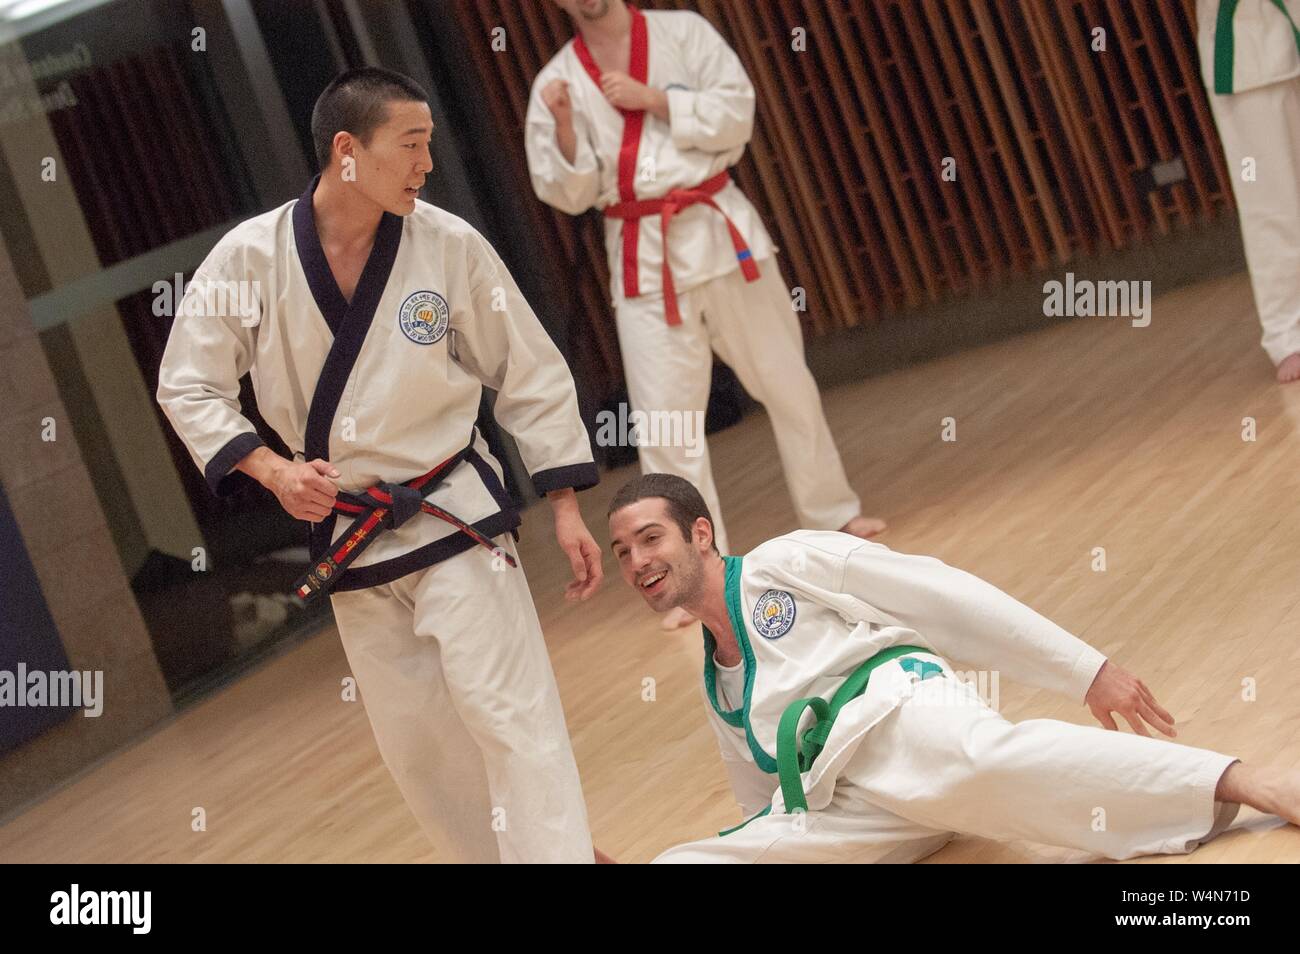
384,506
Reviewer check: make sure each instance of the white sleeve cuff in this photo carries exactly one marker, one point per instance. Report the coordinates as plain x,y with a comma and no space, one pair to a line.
1084,671
682,124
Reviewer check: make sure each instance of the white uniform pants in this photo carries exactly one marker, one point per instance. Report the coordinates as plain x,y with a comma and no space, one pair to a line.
753,328
932,768
456,681
1264,124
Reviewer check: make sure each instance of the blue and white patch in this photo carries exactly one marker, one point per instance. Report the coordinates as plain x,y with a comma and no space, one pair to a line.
774,614
424,317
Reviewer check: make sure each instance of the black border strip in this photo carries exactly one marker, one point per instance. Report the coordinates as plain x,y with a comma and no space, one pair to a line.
324,289
361,577
355,325
489,478
577,476
221,479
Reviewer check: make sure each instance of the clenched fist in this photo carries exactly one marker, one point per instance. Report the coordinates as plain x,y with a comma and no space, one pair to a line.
555,96
626,93
304,488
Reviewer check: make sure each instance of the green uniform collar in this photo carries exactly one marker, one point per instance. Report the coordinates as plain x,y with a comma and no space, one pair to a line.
1225,44
735,717
793,761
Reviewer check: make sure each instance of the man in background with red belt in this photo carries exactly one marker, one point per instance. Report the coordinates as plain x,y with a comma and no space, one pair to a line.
641,115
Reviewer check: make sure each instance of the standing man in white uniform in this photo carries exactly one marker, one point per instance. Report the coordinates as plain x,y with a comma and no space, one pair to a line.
1250,64
370,322
849,738
641,115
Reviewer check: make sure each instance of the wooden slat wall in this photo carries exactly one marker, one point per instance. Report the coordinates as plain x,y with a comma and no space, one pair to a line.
1047,135
142,114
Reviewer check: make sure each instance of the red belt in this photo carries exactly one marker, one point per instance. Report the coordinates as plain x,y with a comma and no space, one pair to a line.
666,207
382,507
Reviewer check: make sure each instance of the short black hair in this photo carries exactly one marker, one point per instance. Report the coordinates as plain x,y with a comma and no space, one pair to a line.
356,101
685,505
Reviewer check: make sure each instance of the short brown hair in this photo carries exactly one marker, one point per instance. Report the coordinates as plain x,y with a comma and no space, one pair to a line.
685,505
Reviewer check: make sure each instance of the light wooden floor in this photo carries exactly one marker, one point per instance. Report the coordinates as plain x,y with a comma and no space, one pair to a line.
1094,434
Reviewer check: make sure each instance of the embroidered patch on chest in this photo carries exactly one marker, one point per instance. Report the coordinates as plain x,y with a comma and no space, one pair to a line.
774,614
423,317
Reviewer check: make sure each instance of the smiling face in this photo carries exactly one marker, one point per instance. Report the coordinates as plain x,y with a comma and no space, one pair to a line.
391,165
653,556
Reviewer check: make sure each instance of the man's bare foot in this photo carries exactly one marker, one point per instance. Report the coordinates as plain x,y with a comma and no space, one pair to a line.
864,527
676,618
1289,369
602,858
1275,791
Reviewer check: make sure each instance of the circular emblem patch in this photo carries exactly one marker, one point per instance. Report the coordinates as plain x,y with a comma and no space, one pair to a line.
774,614
423,317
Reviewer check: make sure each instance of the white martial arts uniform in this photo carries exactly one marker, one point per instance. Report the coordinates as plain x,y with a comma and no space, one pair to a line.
1250,64
919,755
441,634
628,156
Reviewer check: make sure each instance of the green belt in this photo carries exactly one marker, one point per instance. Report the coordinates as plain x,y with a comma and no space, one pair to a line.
794,754
1225,42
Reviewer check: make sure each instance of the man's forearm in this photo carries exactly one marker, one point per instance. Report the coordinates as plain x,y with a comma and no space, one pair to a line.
260,464
997,631
563,501
567,140
658,105
963,617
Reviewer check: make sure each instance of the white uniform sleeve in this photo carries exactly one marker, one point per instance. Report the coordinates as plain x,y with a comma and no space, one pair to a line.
752,787
209,349
569,187
499,340
961,616
718,115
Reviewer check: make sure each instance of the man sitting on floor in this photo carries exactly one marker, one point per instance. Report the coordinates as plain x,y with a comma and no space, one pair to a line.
848,736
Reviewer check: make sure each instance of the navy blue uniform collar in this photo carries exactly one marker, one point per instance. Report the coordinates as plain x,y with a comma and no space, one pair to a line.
349,322
324,289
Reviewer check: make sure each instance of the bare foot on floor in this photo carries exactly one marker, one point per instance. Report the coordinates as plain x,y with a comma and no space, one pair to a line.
676,618
1274,791
1289,369
603,859
1284,795
864,527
